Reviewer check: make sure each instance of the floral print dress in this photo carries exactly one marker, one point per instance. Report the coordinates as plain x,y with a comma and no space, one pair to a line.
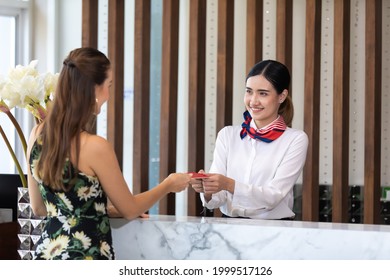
77,225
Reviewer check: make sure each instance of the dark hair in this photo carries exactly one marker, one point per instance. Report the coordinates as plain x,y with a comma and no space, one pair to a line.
71,112
279,76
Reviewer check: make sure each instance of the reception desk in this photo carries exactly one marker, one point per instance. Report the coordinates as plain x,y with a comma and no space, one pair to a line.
203,238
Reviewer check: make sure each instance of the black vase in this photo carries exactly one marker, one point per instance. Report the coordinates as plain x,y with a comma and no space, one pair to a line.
9,184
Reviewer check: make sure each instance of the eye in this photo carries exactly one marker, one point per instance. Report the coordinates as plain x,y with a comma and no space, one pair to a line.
263,93
248,91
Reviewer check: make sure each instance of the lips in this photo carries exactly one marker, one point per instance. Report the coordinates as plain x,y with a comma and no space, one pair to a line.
256,110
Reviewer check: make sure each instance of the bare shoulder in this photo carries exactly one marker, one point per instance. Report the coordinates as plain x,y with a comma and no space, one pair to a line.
97,155
96,141
95,144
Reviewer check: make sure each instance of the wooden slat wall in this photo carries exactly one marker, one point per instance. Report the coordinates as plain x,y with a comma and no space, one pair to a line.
90,23
254,33
284,23
225,52
312,110
197,86
89,36
141,95
116,11
225,63
169,73
341,60
197,32
372,124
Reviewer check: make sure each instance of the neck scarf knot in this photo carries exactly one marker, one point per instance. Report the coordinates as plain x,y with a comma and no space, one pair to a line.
268,134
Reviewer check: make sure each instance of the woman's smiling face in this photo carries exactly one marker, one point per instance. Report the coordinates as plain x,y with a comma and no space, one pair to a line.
262,100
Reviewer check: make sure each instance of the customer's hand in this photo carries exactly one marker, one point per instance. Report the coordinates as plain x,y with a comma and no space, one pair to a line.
144,215
178,182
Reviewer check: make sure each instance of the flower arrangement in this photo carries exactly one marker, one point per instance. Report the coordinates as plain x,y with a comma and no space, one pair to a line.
25,87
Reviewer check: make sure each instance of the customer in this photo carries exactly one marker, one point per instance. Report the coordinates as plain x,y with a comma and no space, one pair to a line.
72,172
256,165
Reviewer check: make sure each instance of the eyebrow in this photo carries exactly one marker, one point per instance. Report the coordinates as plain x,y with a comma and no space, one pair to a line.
258,89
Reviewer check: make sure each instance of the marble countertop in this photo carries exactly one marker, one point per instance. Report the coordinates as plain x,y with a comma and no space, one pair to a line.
172,237
264,223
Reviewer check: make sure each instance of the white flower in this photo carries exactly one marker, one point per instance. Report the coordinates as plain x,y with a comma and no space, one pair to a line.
68,223
65,256
51,209
55,247
87,192
66,201
100,207
25,87
105,249
22,81
85,240
50,83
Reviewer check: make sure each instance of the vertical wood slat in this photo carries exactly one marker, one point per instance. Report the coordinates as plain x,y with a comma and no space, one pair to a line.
116,55
169,73
310,191
224,67
340,189
89,27
372,125
196,110
141,95
90,23
225,63
254,33
284,22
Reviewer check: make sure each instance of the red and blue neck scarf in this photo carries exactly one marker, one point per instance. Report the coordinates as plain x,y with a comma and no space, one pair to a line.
268,134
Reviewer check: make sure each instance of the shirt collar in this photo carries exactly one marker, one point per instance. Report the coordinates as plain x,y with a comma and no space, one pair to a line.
253,124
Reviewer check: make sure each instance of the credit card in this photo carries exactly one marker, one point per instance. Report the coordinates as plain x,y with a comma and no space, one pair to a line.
196,175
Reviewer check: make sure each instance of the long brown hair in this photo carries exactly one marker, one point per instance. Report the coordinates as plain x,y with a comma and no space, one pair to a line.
71,112
279,76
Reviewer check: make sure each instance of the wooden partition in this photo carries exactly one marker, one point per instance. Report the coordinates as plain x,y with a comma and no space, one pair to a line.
225,63
372,125
90,23
341,77
254,32
312,110
141,100
225,53
168,122
284,25
116,30
196,97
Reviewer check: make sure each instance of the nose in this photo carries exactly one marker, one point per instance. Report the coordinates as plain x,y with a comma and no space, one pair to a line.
254,100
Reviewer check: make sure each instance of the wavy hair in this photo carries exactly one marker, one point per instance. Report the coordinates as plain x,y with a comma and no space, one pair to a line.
279,76
71,112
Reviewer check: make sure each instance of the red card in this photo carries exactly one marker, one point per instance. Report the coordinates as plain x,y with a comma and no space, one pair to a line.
198,175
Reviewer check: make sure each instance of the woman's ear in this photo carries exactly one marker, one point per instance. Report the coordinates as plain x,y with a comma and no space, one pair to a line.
283,96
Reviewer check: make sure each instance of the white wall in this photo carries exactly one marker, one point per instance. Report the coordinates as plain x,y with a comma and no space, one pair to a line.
57,30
